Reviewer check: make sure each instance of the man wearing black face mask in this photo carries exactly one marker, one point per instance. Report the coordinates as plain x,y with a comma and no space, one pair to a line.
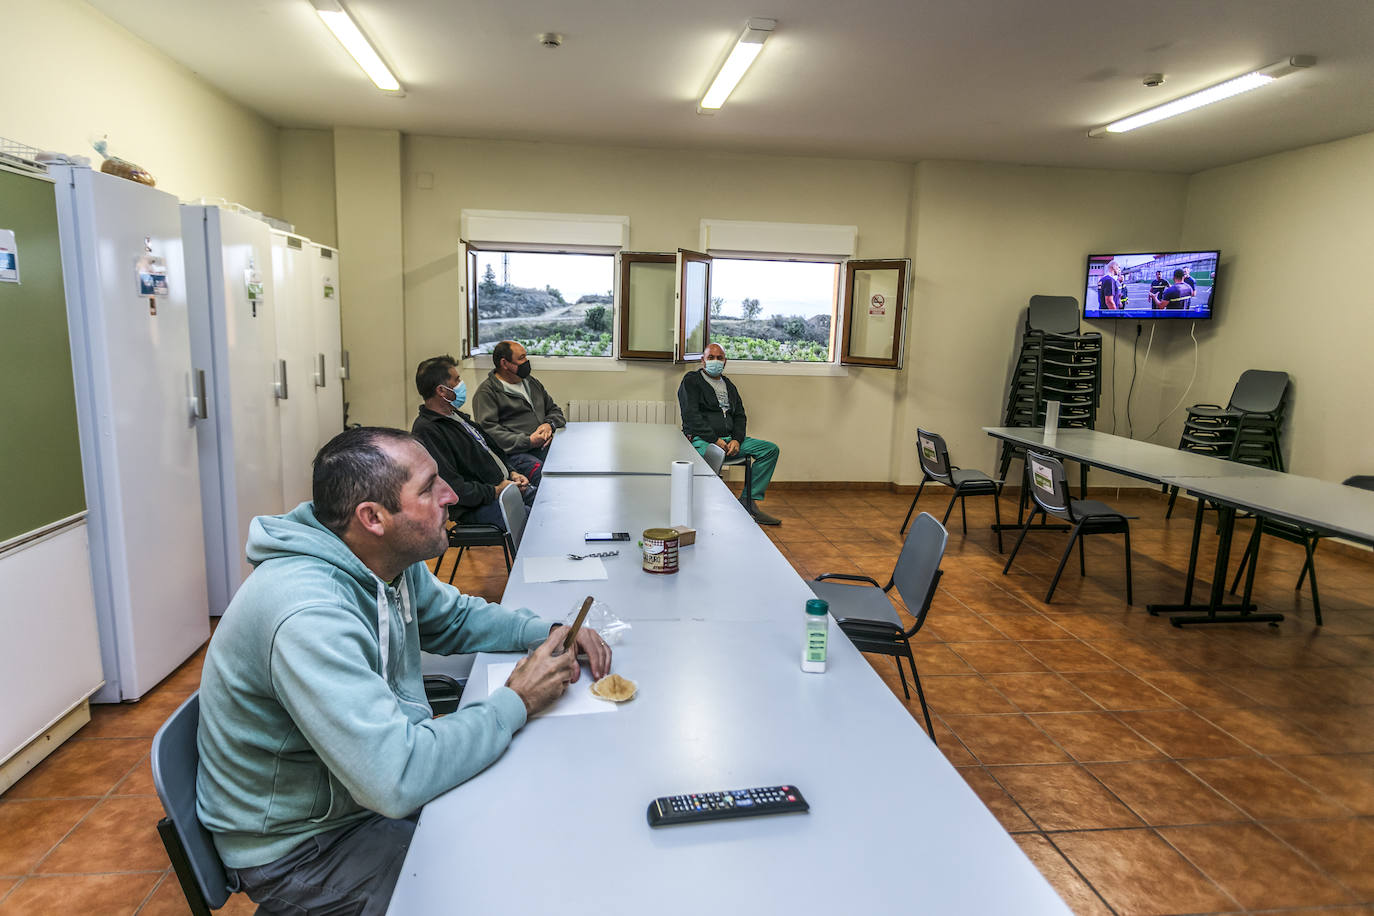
514,409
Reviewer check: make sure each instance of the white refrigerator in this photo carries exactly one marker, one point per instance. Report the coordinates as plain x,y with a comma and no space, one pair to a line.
139,401
233,331
332,370
298,363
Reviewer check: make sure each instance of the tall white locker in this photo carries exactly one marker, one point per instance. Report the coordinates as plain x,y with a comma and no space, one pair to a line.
298,366
332,368
233,331
137,403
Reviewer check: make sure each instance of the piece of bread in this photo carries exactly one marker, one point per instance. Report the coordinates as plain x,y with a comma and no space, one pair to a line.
615,688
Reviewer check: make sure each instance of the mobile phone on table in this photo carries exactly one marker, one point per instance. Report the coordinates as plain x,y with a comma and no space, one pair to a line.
607,536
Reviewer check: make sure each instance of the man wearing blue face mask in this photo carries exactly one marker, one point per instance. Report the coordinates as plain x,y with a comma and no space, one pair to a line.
712,412
470,462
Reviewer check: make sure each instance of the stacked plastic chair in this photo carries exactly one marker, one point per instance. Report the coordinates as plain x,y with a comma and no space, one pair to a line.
1248,429
1055,363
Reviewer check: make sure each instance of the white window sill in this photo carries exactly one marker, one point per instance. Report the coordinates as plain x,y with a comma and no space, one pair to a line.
761,367
554,363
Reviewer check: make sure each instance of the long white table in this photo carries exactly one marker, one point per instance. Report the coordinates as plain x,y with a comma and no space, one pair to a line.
1323,506
621,448
732,572
558,824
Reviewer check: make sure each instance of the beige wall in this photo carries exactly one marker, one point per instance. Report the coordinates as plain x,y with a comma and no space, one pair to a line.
307,183
828,428
367,176
987,237
73,75
1296,236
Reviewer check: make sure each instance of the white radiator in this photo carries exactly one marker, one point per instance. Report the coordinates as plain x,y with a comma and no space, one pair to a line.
624,411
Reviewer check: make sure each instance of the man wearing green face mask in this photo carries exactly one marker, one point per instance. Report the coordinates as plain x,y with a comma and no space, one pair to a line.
712,412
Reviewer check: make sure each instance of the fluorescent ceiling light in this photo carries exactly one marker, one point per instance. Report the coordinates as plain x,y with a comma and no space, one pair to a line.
1206,96
351,37
747,48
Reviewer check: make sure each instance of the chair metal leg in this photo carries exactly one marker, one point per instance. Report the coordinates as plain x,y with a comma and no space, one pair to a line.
925,710
949,508
1082,562
902,674
1019,538
456,560
963,513
997,518
1245,557
1312,567
1063,561
1126,536
906,521
1173,495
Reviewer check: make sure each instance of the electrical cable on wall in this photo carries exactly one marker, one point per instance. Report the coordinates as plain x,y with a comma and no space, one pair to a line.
1114,336
1192,332
1135,345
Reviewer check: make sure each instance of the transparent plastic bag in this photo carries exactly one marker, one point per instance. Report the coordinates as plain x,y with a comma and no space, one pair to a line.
602,619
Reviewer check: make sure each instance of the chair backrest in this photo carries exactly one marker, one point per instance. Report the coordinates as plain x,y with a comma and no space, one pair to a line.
934,456
1049,486
1363,481
513,513
175,759
715,456
1055,314
1259,391
918,565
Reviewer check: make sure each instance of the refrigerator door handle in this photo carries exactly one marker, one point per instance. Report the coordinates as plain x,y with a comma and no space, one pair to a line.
320,372
202,405
345,371
281,380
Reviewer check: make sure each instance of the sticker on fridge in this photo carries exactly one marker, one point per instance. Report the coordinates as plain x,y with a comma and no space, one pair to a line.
152,275
253,281
329,287
9,257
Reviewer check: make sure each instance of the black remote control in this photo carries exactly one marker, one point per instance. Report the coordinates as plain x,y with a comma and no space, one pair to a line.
713,806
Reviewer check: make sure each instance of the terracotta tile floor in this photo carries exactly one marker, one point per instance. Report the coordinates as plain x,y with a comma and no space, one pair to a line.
1143,768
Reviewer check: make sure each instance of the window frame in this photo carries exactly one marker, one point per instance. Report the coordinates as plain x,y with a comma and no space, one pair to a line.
625,307
684,257
836,307
846,324
469,344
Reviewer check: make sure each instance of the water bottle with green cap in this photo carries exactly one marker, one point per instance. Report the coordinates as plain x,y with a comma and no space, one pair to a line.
817,631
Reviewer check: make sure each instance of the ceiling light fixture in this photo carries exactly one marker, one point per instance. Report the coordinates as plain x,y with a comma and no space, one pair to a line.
746,48
333,15
1226,90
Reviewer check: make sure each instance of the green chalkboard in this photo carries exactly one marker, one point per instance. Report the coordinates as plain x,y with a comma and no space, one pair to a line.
40,454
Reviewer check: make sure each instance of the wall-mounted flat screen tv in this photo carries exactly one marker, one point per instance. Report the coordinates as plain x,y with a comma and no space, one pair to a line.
1168,284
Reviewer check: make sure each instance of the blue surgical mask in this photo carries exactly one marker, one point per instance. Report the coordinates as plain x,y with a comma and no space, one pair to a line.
715,367
460,394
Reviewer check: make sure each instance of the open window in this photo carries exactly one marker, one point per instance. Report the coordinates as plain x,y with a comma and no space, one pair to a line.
693,295
871,333
648,317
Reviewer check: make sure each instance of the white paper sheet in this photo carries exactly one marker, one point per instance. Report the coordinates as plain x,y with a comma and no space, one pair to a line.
576,701
561,569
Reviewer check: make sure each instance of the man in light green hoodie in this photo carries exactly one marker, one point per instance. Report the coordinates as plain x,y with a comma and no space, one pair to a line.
317,747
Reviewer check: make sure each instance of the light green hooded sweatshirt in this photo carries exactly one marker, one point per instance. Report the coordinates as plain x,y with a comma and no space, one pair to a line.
312,704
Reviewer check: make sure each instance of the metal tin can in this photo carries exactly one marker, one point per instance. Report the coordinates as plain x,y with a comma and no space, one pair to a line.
660,551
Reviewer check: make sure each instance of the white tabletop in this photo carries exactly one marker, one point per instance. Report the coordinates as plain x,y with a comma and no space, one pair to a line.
732,572
621,448
1132,457
1330,508
557,825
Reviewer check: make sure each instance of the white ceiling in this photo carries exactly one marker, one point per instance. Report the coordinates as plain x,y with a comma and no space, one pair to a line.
996,80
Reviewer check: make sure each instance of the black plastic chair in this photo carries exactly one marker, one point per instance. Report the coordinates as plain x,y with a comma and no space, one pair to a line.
1049,491
1296,534
465,536
934,458
189,845
867,616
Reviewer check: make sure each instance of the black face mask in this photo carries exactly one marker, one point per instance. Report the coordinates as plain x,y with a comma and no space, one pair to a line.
523,369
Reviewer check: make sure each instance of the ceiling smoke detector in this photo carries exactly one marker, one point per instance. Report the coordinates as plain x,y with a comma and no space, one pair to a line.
551,40
1153,79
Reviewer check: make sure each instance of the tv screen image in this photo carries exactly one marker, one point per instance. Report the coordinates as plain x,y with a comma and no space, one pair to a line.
1170,284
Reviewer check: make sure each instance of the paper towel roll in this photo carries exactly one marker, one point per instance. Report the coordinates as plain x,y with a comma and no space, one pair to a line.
680,494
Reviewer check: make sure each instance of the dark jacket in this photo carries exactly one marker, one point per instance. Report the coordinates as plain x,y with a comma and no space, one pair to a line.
701,415
463,463
509,418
